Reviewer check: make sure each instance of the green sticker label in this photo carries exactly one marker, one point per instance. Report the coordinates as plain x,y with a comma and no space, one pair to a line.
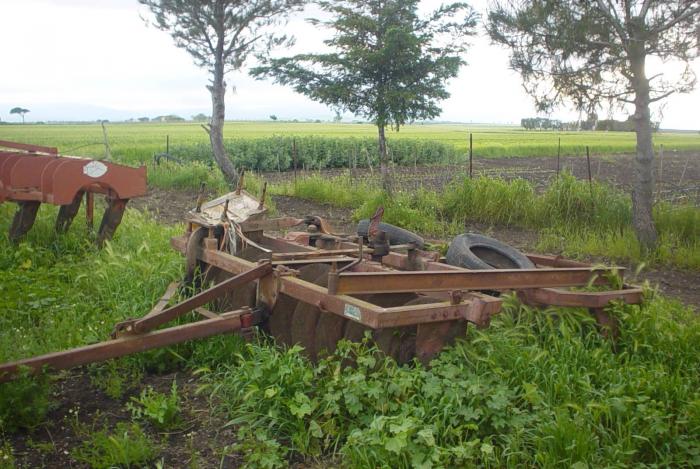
353,312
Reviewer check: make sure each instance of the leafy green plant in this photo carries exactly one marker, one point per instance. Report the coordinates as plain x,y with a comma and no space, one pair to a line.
7,456
24,402
161,410
537,388
127,446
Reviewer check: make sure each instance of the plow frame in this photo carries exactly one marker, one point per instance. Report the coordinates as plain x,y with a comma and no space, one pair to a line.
452,293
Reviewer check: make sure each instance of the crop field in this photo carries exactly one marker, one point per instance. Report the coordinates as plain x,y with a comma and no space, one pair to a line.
137,142
538,388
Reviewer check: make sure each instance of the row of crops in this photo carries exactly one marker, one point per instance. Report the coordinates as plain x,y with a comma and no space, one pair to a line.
279,153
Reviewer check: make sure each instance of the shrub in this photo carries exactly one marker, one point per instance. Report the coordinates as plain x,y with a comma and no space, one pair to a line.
314,152
161,410
127,446
24,402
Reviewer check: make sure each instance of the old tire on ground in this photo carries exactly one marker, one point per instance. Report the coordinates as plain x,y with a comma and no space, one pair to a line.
396,235
479,252
280,323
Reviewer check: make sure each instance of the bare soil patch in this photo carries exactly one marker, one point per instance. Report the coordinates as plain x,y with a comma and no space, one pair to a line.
167,206
201,442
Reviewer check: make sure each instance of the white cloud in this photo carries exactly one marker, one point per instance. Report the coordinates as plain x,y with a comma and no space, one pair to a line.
85,59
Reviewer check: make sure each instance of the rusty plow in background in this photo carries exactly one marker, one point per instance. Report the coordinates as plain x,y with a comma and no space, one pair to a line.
31,175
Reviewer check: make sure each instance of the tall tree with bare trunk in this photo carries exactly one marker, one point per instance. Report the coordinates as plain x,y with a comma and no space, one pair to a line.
591,52
388,63
221,35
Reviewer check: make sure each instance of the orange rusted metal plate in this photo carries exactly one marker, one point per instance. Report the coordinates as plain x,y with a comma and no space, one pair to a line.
38,173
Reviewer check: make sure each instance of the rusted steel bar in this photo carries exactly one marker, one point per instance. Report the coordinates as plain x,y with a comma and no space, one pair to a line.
111,220
227,322
29,148
150,322
476,309
556,261
502,279
312,260
24,219
89,210
165,299
67,213
556,297
317,253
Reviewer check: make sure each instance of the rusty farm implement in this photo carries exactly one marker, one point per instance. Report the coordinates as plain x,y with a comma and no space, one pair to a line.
31,175
315,287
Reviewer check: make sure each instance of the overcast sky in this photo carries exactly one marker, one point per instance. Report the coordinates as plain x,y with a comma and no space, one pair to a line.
98,59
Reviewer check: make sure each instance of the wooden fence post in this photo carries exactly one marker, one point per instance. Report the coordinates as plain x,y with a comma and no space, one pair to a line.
590,176
294,158
558,156
471,154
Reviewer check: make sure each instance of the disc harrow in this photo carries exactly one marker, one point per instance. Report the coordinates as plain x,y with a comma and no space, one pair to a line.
315,287
31,175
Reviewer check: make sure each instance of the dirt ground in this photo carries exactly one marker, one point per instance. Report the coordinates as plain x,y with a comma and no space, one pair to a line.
168,206
677,174
202,441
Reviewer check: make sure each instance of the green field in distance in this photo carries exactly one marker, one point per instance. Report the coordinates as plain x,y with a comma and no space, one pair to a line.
138,141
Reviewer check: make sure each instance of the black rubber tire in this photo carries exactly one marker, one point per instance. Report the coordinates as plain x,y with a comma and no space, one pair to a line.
479,252
396,235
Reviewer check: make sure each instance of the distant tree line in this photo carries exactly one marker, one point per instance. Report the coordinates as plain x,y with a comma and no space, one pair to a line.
592,123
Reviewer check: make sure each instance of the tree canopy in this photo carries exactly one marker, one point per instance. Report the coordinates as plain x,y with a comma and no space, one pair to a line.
19,110
387,64
593,52
221,35
583,51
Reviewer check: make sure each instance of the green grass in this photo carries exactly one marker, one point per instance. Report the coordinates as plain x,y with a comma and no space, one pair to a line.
571,217
62,283
135,143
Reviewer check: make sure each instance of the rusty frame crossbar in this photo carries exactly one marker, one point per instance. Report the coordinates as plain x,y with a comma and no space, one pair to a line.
427,281
127,345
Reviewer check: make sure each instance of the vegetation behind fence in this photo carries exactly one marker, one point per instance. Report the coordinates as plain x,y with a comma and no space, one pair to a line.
277,153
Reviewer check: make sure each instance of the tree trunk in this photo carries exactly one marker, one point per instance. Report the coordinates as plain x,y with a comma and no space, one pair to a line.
384,160
216,132
642,194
